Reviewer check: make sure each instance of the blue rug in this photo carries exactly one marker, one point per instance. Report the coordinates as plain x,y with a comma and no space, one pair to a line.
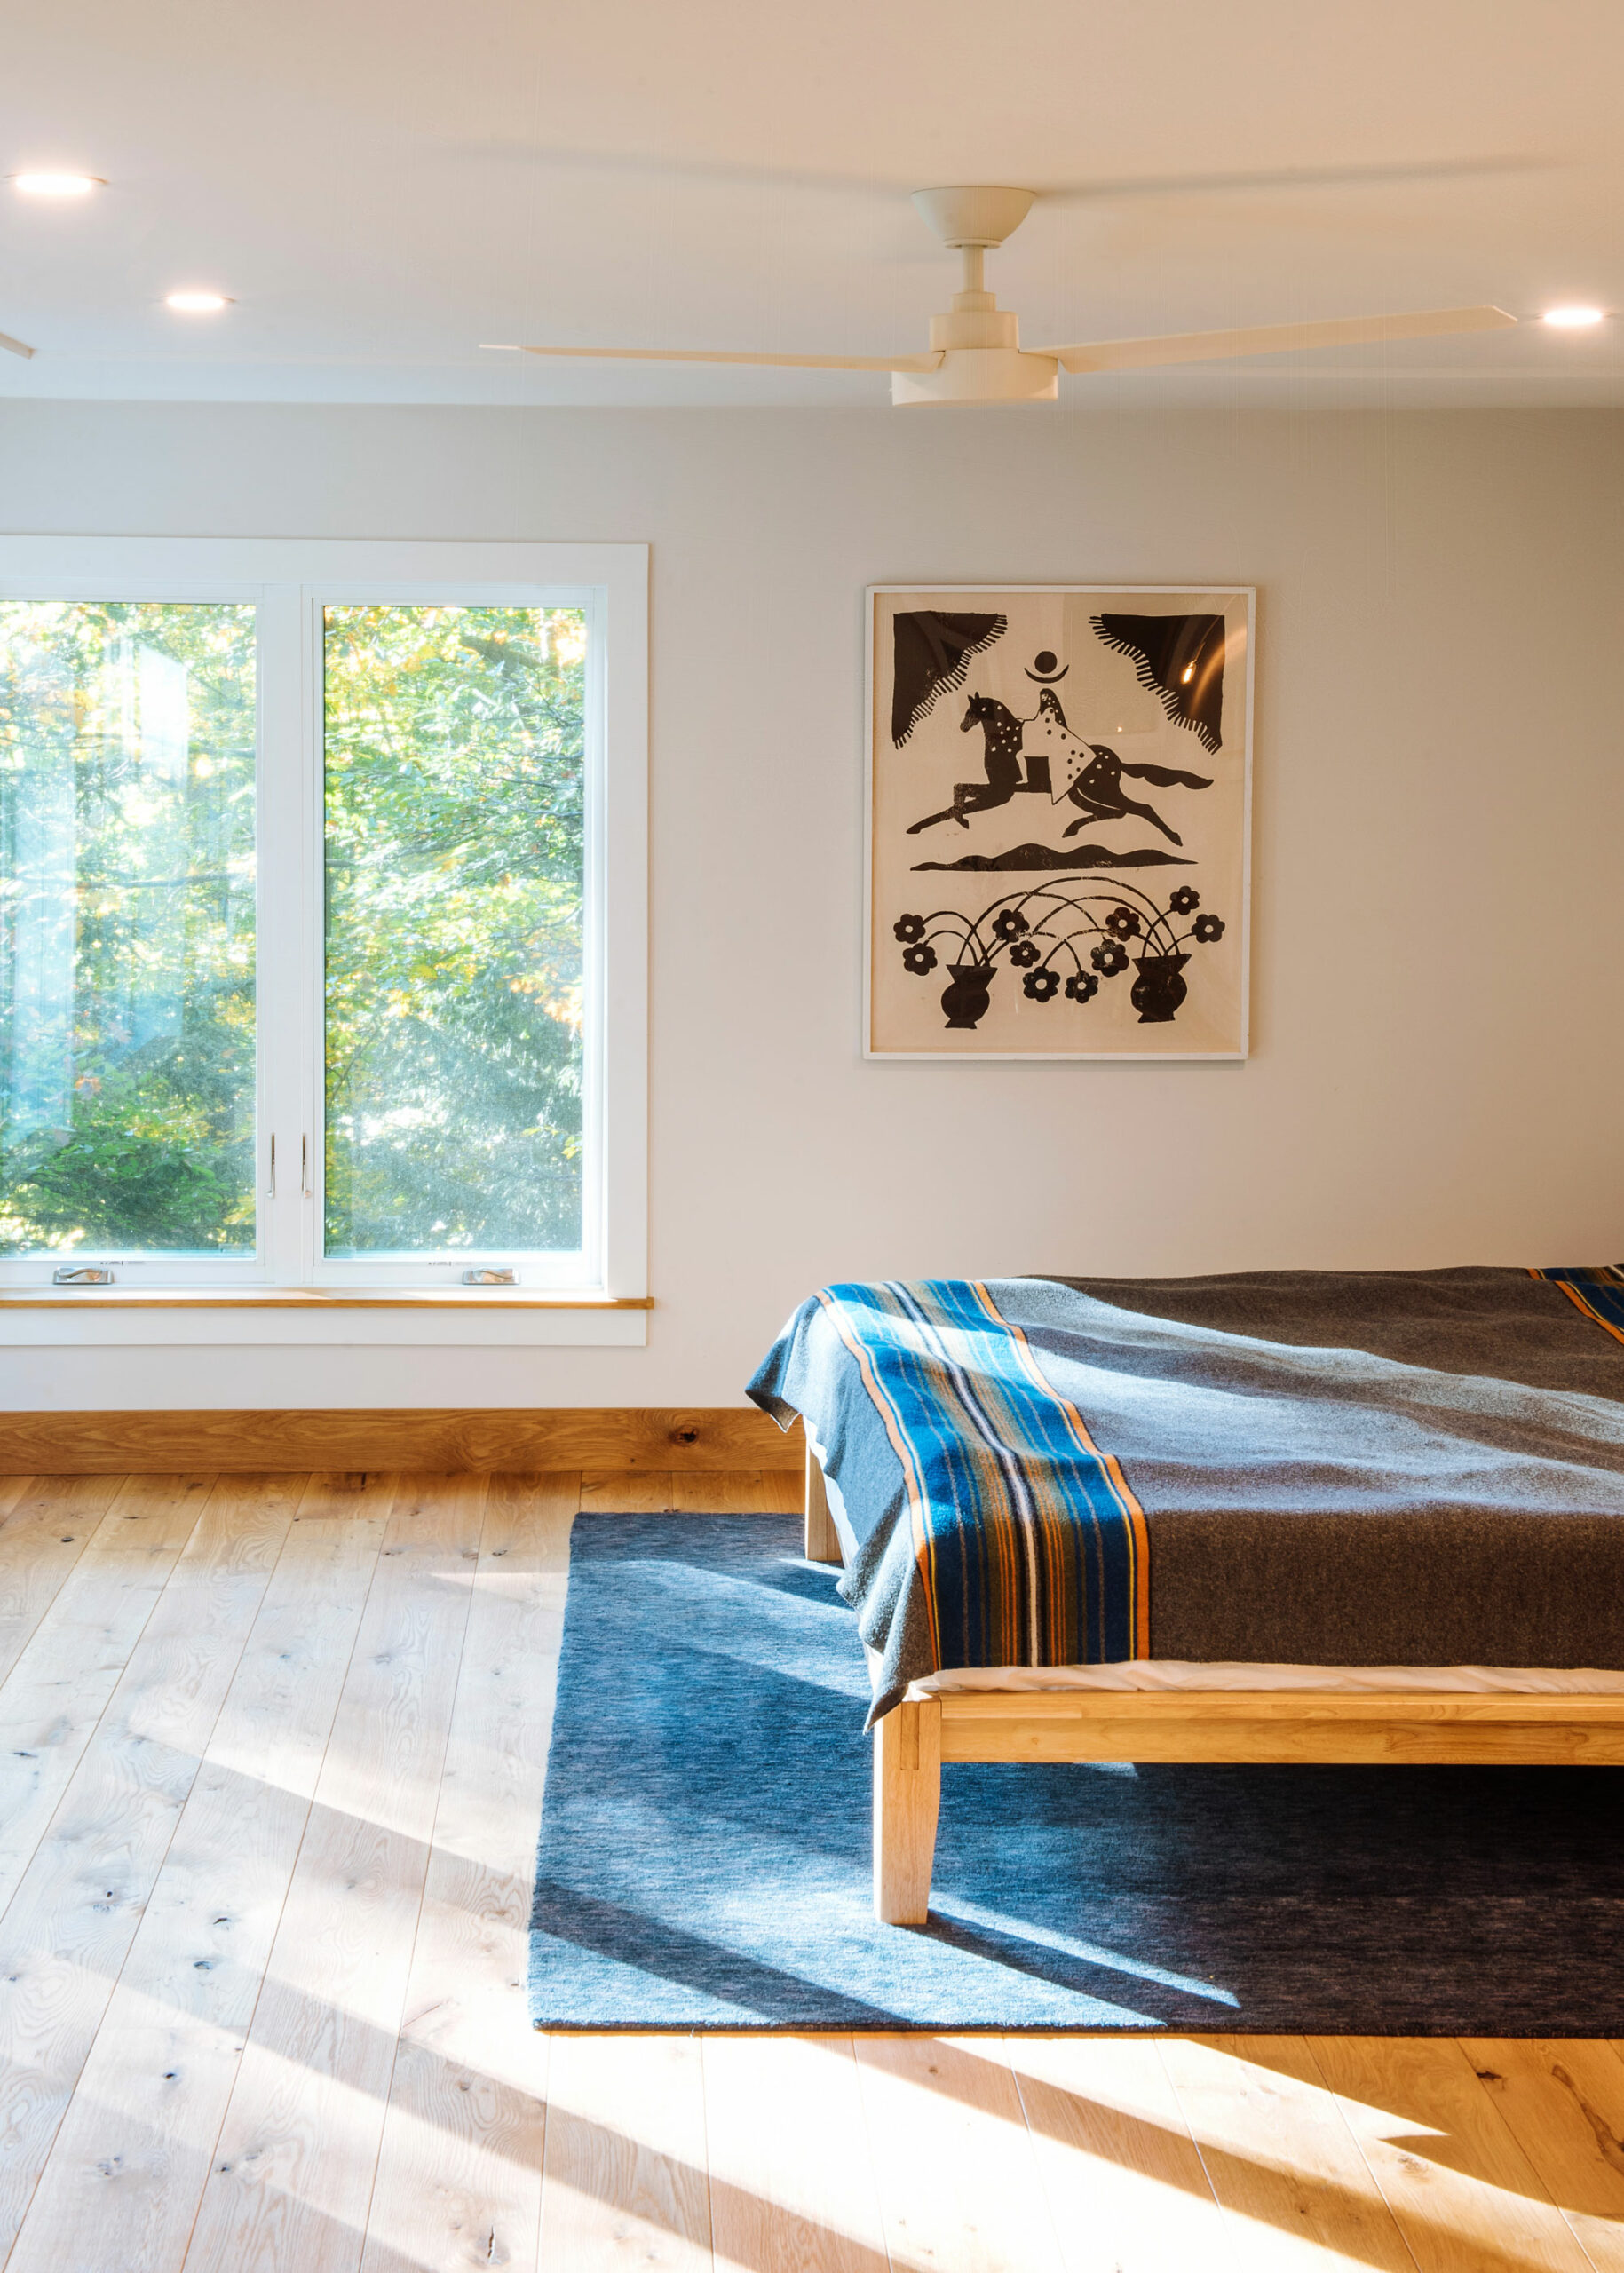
704,1859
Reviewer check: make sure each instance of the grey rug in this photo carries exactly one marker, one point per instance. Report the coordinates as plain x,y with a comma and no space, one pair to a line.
704,1857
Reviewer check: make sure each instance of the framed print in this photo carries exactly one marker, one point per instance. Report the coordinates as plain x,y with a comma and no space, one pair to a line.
1059,787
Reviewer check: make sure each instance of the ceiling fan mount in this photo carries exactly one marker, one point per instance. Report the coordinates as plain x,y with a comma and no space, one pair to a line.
975,355
977,216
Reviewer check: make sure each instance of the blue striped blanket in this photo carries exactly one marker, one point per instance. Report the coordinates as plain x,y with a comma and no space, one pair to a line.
1598,1295
1001,1534
1358,1467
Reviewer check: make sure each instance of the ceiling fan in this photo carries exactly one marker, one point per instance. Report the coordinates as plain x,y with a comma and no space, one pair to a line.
975,354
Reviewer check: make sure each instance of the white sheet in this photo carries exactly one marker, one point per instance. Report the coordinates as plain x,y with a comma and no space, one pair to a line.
1175,1673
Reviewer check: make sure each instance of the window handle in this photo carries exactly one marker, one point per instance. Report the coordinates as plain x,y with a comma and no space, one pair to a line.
305,1191
271,1186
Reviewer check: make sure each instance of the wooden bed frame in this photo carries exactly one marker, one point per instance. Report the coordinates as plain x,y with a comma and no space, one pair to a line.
1281,1726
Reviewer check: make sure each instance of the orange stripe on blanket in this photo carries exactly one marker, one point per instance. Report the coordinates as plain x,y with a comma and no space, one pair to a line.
1138,1533
1578,1302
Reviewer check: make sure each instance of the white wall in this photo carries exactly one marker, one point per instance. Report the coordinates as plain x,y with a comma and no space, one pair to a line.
1438,946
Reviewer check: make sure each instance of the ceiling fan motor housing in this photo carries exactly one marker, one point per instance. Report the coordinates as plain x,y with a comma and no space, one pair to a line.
979,375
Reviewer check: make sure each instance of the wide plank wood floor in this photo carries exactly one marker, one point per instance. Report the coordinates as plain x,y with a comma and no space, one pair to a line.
269,1793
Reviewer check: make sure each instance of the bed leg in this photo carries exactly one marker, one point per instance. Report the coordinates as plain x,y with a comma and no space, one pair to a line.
822,1540
907,1790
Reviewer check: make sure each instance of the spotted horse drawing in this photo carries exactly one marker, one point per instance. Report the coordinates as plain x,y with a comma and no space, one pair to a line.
1026,755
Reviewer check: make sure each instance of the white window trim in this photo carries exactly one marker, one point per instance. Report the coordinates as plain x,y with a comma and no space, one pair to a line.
289,579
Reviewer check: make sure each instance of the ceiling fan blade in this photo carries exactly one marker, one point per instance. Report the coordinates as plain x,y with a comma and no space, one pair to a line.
1272,339
14,346
1284,180
927,362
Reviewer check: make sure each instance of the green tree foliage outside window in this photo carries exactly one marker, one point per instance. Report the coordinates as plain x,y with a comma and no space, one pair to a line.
454,756
127,1012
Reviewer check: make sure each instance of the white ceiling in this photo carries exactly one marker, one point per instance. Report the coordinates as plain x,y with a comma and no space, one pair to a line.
385,183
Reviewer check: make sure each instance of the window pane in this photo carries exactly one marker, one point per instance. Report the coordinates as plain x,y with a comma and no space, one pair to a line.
454,762
127,739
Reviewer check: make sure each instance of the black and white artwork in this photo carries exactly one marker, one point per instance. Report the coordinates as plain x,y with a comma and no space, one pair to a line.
1059,785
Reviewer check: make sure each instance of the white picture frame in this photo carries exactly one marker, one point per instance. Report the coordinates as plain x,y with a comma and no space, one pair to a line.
1090,897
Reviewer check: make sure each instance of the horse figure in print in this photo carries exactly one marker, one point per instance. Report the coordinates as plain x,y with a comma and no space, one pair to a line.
1021,754
1090,775
1098,790
1006,771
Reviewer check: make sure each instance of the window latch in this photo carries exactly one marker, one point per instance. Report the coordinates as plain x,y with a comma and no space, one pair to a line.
81,1274
490,1278
305,1191
271,1187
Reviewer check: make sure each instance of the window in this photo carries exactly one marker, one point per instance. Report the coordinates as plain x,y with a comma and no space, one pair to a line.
127,1014
454,757
321,921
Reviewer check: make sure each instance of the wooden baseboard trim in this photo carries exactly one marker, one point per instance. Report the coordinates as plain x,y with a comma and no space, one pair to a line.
611,1436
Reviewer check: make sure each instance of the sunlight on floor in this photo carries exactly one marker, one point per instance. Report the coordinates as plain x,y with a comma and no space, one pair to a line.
295,2038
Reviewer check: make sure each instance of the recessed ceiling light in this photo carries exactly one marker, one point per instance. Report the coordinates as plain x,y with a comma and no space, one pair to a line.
197,303
1573,319
57,185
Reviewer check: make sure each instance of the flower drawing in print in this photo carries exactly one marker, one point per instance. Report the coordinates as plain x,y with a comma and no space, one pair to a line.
1063,937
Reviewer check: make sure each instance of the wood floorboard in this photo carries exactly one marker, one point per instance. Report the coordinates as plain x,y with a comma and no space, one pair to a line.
1465,2198
957,2168
616,1493
792,2178
292,2174
1293,2187
46,1525
122,2187
624,2180
57,1691
460,2169
1564,2105
759,1491
68,1929
261,1969
1126,2186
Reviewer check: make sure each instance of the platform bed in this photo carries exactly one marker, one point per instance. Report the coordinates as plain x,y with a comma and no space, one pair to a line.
1286,1727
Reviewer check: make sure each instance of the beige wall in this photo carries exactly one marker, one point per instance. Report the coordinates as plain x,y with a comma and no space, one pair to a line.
1439,943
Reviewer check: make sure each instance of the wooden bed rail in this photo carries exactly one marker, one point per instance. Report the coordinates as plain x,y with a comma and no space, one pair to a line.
1277,1727
1280,1727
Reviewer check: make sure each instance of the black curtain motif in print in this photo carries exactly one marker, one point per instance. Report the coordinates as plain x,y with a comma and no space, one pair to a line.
1179,659
930,653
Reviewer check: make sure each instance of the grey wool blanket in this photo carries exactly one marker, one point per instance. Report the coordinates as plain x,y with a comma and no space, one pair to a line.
1371,1468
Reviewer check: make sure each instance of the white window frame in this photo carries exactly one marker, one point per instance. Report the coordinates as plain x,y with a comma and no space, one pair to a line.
289,581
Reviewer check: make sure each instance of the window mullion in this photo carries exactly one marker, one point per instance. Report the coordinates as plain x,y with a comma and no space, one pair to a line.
286,1044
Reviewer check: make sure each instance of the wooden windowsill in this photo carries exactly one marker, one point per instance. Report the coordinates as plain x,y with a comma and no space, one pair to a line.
281,1298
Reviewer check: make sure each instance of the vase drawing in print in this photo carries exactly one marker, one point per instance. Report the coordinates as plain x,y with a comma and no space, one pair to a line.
1060,790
